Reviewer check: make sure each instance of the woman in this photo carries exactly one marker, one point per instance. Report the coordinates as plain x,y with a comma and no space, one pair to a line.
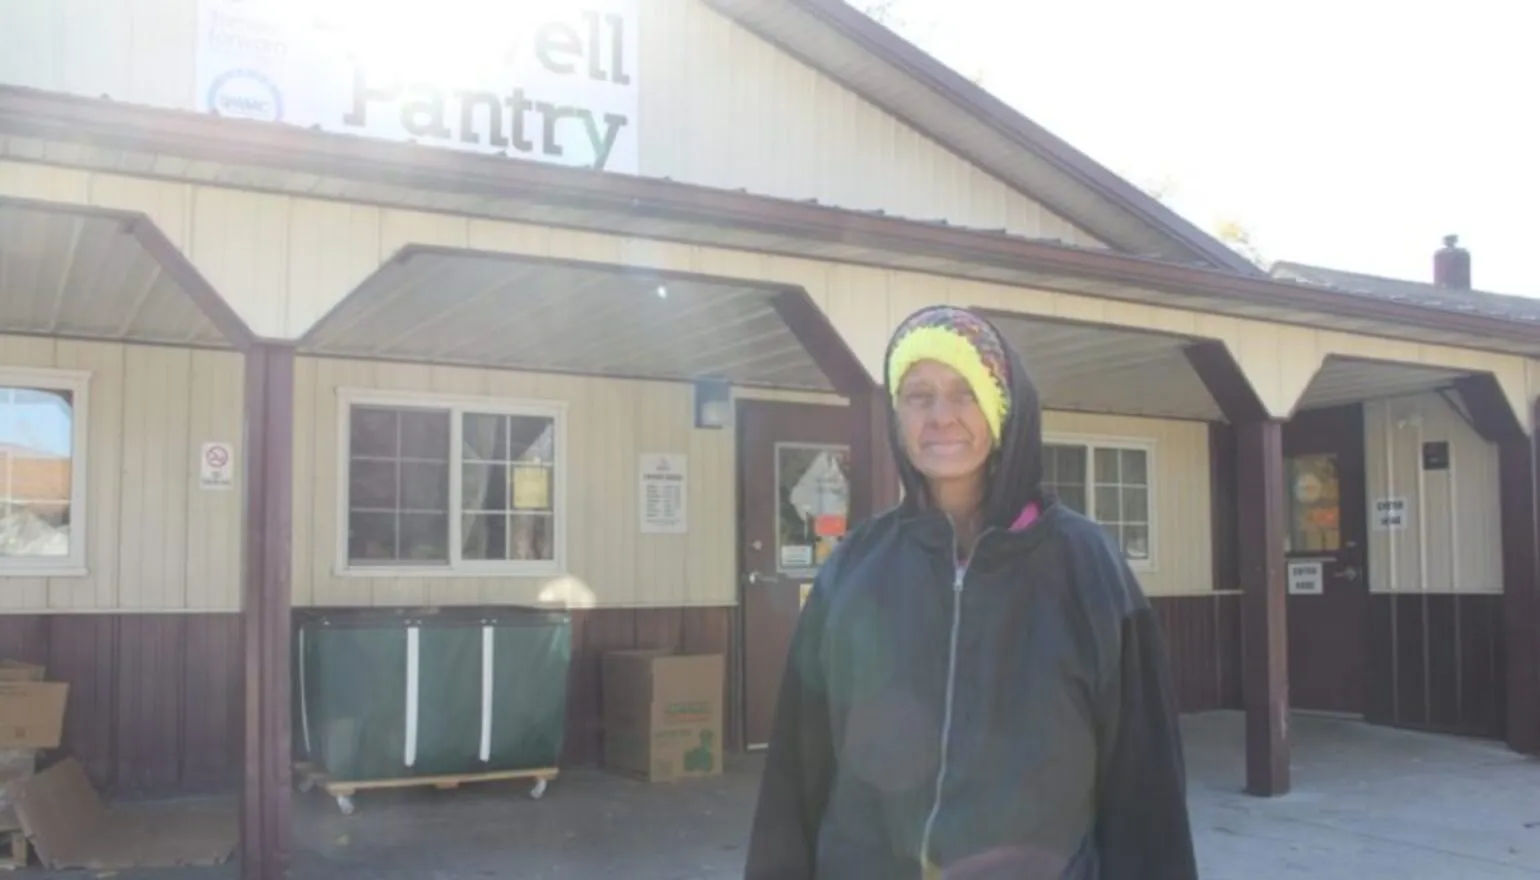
976,688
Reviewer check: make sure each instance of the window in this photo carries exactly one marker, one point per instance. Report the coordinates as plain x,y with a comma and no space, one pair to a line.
42,473
1109,482
1315,499
813,503
458,487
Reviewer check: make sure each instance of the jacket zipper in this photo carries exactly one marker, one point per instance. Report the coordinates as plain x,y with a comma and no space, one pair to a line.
958,578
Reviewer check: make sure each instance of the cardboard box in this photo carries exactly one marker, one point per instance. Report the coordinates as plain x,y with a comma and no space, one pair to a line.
71,828
32,714
663,714
15,670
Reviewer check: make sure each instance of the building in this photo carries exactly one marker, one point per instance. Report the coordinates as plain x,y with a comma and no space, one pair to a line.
331,332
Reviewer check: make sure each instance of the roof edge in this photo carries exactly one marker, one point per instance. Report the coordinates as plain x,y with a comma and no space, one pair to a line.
201,137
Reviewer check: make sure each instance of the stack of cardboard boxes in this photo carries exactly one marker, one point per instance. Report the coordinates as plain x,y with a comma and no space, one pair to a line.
31,720
663,714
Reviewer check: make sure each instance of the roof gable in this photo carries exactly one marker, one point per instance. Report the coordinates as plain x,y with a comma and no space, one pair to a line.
895,75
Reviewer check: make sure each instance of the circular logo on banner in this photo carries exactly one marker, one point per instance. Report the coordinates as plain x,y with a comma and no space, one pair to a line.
245,94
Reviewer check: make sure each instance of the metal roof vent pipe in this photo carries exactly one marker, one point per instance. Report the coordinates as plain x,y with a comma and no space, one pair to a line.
1451,265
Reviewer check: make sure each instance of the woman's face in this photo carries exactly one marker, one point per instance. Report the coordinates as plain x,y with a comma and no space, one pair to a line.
943,429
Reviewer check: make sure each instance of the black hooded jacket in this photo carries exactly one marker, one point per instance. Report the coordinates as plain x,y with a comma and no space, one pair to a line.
1012,717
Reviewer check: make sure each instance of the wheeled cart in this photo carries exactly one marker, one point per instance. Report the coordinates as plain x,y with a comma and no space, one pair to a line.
440,699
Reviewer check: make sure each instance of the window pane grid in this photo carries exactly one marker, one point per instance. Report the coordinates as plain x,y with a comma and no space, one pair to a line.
398,487
507,478
1110,484
401,498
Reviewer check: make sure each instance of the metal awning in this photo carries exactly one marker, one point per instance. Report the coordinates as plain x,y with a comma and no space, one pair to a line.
469,308
1344,380
78,273
1094,368
1106,369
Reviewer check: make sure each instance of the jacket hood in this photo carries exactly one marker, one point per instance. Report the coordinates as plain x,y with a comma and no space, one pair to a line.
1014,470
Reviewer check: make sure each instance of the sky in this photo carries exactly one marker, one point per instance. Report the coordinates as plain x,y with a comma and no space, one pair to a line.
35,425
1353,134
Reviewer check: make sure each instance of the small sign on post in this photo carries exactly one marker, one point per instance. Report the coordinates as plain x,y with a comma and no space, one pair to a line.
217,466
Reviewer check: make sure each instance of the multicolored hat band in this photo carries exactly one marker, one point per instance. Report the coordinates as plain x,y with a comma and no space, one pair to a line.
963,342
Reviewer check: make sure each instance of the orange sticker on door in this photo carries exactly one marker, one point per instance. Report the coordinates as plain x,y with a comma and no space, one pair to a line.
829,525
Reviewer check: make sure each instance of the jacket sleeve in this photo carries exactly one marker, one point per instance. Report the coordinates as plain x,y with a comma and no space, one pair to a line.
1143,829
799,765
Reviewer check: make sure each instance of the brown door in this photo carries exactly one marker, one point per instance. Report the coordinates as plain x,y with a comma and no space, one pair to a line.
793,499
1328,578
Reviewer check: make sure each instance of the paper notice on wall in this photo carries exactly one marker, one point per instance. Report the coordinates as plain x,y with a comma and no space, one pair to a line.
1389,514
664,488
531,487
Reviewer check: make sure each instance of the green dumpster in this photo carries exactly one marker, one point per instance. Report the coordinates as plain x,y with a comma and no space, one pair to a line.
390,696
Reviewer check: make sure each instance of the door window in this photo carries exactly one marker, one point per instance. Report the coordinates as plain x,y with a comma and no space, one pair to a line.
813,500
1315,504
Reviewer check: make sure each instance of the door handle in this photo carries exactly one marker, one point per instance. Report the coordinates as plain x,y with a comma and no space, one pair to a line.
756,579
1349,573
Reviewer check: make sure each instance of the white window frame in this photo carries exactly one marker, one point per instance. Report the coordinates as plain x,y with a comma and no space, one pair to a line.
1147,445
457,406
78,384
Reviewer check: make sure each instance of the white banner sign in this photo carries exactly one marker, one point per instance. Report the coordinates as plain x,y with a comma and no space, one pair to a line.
548,80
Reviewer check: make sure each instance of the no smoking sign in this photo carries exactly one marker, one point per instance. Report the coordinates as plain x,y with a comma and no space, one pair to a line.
217,467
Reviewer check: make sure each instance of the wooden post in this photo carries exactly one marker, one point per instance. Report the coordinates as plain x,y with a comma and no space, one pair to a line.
265,610
1265,634
1494,419
1259,538
1521,591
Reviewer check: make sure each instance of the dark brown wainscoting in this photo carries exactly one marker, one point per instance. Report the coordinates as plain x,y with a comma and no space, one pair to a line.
1436,663
1203,638
155,699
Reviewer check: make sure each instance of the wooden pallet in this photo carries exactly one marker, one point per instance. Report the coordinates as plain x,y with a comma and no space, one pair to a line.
344,791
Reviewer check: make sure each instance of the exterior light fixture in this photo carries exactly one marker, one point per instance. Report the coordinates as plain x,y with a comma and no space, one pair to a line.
713,404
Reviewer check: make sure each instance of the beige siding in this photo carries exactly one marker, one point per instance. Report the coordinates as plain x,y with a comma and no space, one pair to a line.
1181,512
732,112
155,540
267,259
1452,539
609,424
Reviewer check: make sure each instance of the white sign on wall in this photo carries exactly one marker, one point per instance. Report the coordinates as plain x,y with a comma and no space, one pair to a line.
665,486
1389,514
548,80
216,466
1307,577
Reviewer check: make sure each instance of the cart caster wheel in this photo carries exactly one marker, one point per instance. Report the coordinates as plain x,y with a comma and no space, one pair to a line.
345,804
538,791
